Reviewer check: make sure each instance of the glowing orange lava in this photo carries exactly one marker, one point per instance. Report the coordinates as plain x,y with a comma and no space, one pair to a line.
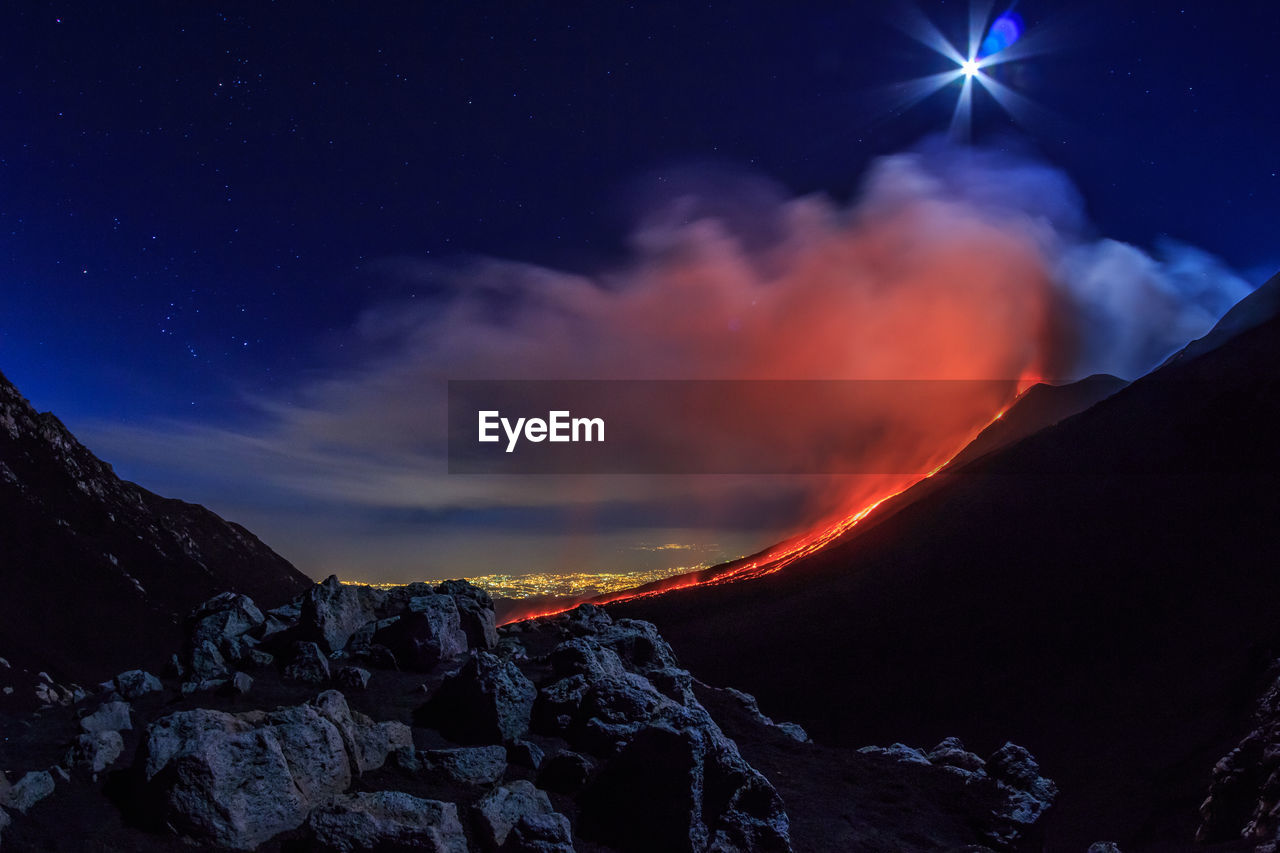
784,553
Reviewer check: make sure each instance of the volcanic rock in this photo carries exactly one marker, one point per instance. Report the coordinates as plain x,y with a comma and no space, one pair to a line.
223,618
498,812
565,772
240,683
332,611
237,780
475,612
1244,792
352,678
429,632
134,683
110,717
478,765
309,664
752,707
29,790
699,794
205,664
386,820
1025,795
95,751
951,753
540,833
487,701
525,753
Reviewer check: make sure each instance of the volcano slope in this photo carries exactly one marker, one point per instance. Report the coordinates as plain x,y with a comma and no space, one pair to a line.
1105,591
95,572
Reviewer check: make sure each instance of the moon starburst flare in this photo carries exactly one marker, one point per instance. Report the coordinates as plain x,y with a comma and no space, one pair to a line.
989,44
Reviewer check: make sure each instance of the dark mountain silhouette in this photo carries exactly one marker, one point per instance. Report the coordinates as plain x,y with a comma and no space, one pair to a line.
1041,406
96,571
1105,591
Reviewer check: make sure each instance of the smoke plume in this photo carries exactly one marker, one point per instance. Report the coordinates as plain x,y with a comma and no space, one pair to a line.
949,264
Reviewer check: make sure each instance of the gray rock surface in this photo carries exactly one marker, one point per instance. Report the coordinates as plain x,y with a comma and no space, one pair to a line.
525,753
109,717
224,617
487,701
367,742
29,790
308,664
332,611
540,833
136,682
498,811
240,779
352,678
476,765
386,820
95,751
429,632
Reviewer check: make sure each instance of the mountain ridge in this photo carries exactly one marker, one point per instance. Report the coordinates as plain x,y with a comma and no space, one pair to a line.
99,571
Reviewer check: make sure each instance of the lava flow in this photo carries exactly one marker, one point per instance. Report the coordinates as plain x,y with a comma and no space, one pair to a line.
784,553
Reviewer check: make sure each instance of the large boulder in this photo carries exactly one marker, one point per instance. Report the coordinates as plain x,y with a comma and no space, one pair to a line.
239,779
332,611
699,795
597,703
1028,795
110,717
134,683
29,790
367,742
205,664
427,633
501,810
475,607
308,664
489,700
222,618
540,833
386,820
352,678
1023,795
95,751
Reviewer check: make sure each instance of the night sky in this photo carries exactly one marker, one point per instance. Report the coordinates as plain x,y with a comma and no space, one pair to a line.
200,204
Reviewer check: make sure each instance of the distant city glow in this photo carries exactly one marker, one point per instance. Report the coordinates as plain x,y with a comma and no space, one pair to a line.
561,584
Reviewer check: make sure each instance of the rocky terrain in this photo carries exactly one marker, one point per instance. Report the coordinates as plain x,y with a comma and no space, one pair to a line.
355,718
98,572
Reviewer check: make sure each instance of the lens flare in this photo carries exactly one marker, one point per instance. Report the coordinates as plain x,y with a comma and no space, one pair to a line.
1005,30
975,64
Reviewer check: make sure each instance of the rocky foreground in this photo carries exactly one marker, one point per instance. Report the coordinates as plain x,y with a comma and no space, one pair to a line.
357,718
